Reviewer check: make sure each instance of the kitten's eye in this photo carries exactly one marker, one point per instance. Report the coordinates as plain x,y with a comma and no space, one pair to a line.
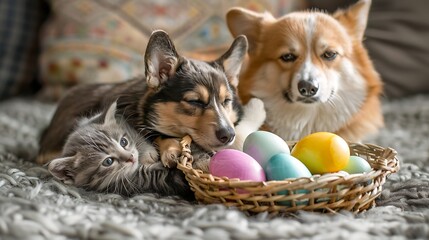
108,162
123,142
329,55
288,57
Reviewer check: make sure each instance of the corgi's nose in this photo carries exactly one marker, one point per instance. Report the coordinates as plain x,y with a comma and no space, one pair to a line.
308,88
225,135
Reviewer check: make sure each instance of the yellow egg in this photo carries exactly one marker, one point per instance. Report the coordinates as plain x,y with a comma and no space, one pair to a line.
322,152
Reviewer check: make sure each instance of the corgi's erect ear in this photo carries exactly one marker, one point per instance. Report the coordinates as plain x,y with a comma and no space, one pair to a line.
61,169
241,21
161,59
233,59
355,18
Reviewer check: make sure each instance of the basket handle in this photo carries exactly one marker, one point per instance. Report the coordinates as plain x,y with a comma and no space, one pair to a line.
389,160
186,157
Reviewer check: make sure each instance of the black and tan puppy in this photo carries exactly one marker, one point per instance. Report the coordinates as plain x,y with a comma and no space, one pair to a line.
176,97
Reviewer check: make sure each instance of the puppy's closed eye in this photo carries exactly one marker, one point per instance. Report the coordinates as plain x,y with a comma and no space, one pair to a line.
197,103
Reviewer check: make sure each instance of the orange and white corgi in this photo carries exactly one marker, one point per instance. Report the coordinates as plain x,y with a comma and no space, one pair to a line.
311,70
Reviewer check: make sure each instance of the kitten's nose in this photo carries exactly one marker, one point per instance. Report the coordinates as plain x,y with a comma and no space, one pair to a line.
130,159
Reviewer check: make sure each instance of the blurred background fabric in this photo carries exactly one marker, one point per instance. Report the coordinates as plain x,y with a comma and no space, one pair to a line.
47,46
104,40
20,22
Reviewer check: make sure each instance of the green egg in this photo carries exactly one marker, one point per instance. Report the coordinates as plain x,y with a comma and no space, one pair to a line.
357,165
282,166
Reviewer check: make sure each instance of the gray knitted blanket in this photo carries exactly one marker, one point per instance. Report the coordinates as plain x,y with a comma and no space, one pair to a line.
34,206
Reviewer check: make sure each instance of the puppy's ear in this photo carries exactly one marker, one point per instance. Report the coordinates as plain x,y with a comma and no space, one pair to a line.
61,169
241,21
355,18
233,59
161,59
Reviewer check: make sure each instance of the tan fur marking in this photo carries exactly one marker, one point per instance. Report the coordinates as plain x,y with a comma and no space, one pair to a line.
224,93
46,157
204,94
201,127
188,96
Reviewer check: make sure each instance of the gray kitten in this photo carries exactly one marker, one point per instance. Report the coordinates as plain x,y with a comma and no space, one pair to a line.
105,154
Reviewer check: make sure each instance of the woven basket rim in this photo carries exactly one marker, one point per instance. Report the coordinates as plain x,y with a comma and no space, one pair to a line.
391,165
260,195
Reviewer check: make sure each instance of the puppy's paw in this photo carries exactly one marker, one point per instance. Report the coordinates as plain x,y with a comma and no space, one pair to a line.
254,113
170,151
170,157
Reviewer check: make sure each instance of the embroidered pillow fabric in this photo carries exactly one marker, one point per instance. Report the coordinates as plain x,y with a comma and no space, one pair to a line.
104,40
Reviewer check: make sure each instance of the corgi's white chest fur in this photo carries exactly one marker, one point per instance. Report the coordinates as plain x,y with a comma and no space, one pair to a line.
292,121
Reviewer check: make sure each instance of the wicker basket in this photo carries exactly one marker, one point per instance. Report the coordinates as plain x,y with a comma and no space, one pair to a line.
322,193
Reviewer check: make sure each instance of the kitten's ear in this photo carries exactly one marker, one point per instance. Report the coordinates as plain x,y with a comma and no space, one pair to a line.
161,59
88,120
233,59
61,169
110,114
355,18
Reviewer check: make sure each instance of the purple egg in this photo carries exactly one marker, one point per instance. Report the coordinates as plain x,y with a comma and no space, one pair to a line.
236,164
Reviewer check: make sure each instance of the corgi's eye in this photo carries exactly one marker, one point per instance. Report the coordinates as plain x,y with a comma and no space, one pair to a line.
197,103
108,162
288,57
329,55
123,142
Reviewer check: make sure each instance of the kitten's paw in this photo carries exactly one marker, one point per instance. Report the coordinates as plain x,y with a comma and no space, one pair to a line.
254,112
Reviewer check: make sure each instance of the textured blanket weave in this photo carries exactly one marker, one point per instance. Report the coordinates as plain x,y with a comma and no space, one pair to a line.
34,206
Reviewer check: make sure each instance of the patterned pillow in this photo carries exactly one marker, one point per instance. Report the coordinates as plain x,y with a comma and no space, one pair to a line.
20,22
104,40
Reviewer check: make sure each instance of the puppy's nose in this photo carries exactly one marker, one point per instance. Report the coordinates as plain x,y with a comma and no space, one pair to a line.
225,135
308,88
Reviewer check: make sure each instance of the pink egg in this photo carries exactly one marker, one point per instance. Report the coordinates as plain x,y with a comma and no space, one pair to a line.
236,164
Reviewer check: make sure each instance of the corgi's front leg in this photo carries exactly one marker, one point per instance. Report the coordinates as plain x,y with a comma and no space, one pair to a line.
252,120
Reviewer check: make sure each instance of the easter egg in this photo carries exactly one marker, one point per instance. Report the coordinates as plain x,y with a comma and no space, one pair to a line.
282,166
357,165
236,164
322,152
262,145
